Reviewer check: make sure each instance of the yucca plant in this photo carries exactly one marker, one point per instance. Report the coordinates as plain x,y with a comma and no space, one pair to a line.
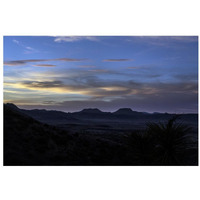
171,142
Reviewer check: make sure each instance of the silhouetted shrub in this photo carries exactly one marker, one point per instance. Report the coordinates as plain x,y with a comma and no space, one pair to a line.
162,144
172,141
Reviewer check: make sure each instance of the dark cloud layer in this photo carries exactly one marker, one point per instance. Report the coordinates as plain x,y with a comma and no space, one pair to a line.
43,84
104,89
108,95
44,65
23,62
183,103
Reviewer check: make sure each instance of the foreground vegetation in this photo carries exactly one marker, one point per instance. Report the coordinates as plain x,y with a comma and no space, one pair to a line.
29,142
164,144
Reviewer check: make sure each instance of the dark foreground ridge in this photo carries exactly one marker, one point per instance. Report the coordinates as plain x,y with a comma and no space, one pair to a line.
93,137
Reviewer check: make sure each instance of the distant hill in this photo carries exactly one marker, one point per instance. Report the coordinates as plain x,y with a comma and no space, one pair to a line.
50,116
124,111
91,114
91,110
11,106
54,117
127,111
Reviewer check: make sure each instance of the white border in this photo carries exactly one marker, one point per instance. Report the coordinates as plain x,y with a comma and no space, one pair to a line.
76,17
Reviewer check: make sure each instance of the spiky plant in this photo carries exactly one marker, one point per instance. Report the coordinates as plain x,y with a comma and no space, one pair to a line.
172,141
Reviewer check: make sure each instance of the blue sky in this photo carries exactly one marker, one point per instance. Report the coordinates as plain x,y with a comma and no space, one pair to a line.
145,73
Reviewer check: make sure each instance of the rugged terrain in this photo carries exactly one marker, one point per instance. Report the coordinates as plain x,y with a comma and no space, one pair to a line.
93,137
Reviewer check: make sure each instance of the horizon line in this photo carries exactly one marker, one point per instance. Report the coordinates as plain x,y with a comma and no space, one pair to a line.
92,108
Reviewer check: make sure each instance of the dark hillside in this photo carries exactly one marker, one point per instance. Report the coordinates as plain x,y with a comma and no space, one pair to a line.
30,142
27,141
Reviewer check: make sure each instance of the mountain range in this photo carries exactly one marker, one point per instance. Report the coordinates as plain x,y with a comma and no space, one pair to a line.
93,114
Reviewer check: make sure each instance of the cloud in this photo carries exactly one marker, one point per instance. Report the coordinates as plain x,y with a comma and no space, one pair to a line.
108,93
95,87
27,49
147,103
16,41
86,66
49,102
67,59
88,82
99,70
43,84
185,38
92,89
182,77
116,60
44,65
55,86
75,38
91,68
146,67
171,38
112,94
14,63
170,103
163,41
23,62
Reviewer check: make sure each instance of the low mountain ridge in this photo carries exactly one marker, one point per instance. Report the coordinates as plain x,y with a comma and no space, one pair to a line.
49,115
91,115
126,111
91,110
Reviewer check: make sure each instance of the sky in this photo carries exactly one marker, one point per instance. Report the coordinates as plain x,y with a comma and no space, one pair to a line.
70,73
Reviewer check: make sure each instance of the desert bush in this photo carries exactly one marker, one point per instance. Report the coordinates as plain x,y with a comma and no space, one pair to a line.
161,144
171,142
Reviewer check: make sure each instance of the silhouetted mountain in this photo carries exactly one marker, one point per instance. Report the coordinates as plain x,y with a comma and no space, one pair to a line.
91,110
11,106
50,116
91,115
126,111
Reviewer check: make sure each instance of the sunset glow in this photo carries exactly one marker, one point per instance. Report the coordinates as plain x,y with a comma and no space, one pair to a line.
151,74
